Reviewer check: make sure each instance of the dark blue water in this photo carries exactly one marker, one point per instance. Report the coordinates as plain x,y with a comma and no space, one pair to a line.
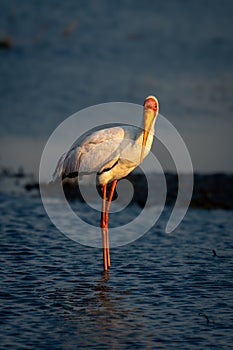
163,291
180,51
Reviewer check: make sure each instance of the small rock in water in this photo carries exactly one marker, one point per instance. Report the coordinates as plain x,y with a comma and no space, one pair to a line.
204,315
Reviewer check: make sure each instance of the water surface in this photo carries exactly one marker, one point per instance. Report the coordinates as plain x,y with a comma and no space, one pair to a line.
163,291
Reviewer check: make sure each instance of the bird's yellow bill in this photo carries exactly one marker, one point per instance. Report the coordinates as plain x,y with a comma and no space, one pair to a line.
145,137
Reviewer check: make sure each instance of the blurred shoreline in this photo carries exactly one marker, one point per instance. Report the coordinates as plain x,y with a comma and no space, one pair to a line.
210,191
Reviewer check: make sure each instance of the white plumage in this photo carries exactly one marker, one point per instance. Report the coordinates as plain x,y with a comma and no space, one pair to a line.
112,153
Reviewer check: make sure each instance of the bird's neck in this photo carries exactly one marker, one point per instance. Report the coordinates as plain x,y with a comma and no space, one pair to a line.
148,125
148,122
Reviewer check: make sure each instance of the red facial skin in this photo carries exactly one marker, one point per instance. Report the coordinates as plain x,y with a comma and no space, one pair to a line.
150,103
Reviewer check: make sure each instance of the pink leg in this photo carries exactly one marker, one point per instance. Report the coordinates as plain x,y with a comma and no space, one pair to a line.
113,186
103,225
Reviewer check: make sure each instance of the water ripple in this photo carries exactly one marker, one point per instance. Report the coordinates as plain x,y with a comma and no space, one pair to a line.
163,291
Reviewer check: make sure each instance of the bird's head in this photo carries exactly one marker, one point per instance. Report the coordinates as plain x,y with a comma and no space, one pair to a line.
151,110
151,103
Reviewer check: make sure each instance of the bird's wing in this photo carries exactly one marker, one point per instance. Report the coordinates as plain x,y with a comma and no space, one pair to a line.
98,151
58,171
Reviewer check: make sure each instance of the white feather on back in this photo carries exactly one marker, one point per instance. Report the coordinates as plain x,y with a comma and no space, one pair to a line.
93,153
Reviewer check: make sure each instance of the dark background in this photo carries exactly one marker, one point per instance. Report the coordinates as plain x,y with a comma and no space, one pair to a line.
164,291
59,57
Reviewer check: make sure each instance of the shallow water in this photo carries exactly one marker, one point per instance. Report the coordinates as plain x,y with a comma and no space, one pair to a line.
53,294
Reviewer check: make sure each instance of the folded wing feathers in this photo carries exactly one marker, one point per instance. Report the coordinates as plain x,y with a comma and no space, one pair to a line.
92,154
58,171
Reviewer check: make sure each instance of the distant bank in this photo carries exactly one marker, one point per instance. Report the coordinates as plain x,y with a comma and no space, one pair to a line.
211,191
